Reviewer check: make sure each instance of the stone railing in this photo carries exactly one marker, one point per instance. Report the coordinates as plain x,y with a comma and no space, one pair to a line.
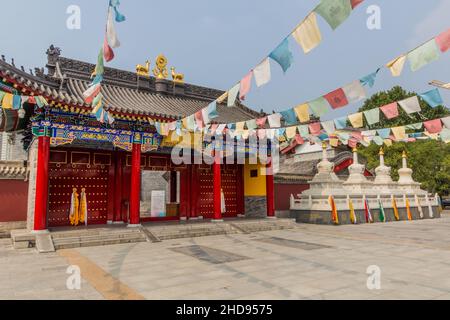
342,201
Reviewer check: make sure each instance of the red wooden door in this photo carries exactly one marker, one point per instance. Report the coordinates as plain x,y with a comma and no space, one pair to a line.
79,170
229,187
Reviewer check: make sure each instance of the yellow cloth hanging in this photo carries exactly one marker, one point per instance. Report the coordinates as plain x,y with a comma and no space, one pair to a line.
408,210
74,216
352,212
83,206
396,65
291,132
7,101
399,133
394,206
334,212
356,120
307,34
302,112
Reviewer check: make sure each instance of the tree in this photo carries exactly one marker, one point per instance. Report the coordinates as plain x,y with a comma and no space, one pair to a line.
429,159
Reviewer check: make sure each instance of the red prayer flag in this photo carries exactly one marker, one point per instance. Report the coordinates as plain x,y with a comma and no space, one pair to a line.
299,139
433,126
443,40
352,143
199,119
314,128
261,122
337,99
390,111
108,53
31,100
246,84
355,3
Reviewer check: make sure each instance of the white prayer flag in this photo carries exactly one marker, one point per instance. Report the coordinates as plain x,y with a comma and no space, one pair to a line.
410,105
354,91
274,120
262,73
111,31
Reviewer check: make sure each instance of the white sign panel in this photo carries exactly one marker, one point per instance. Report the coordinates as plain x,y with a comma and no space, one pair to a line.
158,203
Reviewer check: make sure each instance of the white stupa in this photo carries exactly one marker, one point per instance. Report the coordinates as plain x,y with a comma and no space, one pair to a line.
383,181
357,181
406,181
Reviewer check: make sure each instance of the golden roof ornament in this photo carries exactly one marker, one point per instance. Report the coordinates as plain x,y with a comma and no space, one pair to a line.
381,152
404,155
177,77
143,70
160,71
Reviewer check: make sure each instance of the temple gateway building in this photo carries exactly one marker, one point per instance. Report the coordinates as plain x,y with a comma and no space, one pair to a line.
122,173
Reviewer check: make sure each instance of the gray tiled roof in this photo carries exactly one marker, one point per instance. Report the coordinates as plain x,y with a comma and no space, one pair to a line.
124,91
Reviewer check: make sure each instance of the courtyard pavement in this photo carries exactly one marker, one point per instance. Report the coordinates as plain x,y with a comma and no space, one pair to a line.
309,262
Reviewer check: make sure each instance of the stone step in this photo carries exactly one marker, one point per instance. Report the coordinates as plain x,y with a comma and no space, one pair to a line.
265,225
83,233
44,243
5,234
89,241
94,237
192,231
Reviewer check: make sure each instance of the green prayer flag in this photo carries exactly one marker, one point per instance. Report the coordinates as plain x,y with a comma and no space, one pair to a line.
303,130
372,116
378,140
335,12
382,213
423,55
100,67
319,107
415,126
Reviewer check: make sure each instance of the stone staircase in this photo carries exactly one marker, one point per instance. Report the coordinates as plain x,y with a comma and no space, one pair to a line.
193,230
102,236
96,237
251,226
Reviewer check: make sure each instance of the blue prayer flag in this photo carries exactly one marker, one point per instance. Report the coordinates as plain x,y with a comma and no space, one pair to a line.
433,98
283,55
290,117
341,123
370,79
384,133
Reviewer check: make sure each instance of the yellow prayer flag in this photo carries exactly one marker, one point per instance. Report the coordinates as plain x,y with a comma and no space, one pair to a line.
307,33
388,142
240,126
356,120
396,65
302,112
291,132
334,143
8,101
399,133
222,97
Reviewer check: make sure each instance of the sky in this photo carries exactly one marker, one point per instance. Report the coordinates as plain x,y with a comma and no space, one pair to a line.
216,43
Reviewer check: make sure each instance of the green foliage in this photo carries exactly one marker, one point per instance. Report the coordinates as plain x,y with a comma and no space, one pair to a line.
397,94
429,159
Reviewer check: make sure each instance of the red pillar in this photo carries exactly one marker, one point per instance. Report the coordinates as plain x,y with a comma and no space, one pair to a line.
41,201
217,189
135,189
270,191
118,188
